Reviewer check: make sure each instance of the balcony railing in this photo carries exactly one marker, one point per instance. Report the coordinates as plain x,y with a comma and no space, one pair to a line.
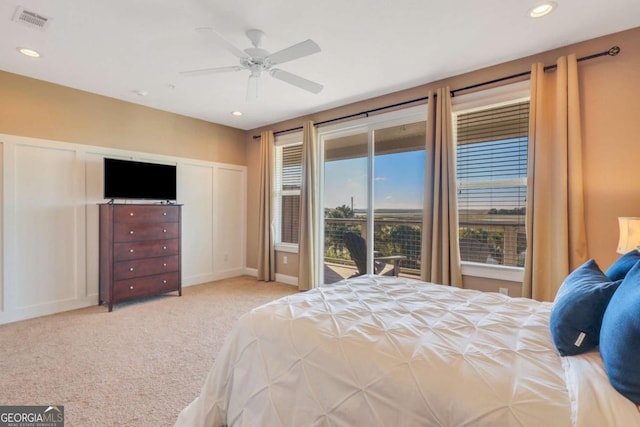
496,240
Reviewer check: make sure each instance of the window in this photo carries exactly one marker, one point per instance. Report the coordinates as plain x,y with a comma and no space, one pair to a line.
287,185
491,173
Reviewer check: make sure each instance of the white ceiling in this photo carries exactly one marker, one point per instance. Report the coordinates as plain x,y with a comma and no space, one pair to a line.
369,47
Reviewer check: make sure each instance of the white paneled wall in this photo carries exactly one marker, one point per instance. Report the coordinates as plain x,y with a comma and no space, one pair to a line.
197,257
229,230
49,215
2,304
93,196
44,210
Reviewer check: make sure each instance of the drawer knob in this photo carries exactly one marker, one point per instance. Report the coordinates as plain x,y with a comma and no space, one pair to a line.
131,287
164,281
131,232
164,248
130,268
131,250
164,264
164,213
164,231
130,213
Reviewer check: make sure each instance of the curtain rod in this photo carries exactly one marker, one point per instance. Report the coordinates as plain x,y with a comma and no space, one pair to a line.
611,52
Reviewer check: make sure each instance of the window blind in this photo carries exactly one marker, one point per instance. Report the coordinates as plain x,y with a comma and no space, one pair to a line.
292,167
494,124
288,183
491,171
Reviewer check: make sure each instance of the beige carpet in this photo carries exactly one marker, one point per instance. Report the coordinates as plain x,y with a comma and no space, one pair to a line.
136,366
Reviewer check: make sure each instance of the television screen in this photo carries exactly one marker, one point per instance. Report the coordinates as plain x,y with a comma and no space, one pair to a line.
127,179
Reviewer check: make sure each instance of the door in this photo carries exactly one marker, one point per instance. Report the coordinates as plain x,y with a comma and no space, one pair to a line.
373,193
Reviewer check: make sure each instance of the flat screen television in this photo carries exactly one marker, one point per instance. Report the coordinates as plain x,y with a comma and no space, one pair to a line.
128,179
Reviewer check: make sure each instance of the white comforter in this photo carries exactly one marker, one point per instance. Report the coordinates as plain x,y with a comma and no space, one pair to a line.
382,351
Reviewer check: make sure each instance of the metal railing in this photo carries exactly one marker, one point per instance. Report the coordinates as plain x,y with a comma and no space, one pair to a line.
491,240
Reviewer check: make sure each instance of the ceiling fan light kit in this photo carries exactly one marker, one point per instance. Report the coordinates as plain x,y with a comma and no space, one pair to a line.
257,60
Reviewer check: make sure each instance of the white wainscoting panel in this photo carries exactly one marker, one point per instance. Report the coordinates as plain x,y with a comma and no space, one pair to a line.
49,196
2,308
94,185
230,199
45,237
195,191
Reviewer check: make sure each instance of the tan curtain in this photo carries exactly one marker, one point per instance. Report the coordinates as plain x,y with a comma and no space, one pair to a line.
266,253
440,249
308,259
556,236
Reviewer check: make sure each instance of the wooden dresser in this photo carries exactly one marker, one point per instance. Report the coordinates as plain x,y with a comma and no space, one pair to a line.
139,251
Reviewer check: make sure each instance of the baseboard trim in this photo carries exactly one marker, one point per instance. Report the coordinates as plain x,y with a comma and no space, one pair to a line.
287,280
282,278
229,273
197,280
46,309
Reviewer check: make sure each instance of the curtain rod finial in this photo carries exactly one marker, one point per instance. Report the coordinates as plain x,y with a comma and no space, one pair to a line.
614,51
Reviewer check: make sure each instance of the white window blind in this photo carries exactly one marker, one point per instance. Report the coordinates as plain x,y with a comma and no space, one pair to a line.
491,170
288,182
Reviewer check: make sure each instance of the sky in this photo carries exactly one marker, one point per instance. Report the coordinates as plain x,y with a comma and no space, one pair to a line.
398,182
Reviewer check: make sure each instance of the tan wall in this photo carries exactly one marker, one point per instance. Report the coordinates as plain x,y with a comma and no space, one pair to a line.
38,109
610,89
492,285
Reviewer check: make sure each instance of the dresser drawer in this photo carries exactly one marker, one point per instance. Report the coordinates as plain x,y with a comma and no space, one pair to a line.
150,285
152,248
145,267
133,231
143,213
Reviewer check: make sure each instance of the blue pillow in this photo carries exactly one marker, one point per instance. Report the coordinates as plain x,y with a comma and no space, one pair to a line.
576,315
620,337
621,267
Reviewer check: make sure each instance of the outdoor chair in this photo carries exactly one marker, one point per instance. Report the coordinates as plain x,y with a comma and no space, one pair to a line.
357,247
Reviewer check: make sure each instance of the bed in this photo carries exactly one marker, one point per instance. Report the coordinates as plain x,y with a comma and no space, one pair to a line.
388,351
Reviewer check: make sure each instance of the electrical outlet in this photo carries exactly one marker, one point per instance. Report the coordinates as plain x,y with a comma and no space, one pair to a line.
285,259
504,291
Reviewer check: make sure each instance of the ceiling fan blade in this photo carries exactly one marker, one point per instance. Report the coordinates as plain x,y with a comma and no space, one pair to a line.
206,71
217,38
296,51
296,80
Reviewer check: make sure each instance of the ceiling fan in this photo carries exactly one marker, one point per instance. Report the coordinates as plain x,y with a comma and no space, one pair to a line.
257,61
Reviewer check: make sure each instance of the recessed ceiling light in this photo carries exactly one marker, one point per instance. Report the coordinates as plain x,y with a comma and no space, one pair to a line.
236,113
542,9
28,52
